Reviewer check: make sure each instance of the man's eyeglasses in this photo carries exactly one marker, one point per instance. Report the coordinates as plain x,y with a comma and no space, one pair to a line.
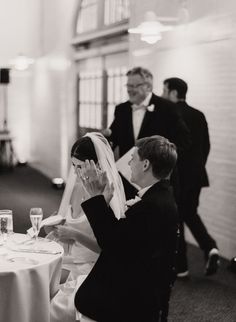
130,86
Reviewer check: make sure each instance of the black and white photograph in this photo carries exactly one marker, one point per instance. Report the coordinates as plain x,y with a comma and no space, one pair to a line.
117,161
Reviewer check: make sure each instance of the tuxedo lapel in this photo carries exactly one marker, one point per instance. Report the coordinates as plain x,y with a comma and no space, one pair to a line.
145,124
129,124
147,120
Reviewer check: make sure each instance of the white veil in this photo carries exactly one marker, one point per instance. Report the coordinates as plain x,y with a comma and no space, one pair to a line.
107,163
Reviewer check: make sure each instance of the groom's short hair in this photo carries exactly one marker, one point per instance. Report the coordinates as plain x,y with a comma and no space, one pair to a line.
160,152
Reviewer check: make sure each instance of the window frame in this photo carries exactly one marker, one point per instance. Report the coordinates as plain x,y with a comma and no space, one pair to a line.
102,30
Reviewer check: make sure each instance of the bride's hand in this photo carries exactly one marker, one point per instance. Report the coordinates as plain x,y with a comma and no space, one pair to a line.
94,181
64,233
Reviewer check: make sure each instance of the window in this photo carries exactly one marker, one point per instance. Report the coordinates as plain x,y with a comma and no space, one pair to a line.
101,52
90,99
99,93
116,91
94,15
87,19
115,11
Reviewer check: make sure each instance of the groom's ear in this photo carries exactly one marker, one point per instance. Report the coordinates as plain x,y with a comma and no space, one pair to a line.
146,165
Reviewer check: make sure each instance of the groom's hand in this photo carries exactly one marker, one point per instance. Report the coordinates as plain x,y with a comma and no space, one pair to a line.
94,181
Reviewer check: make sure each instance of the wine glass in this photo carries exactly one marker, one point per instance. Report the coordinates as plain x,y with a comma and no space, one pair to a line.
36,216
8,213
6,223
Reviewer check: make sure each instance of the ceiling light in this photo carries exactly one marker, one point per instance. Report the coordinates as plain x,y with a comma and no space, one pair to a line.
150,30
21,62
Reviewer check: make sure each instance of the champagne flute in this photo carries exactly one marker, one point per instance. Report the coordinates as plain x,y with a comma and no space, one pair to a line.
8,213
4,227
36,216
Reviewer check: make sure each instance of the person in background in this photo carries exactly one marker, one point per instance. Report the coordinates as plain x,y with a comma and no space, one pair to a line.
143,115
192,177
132,277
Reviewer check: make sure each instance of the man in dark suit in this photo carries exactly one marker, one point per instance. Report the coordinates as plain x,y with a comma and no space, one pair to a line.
143,115
131,278
192,177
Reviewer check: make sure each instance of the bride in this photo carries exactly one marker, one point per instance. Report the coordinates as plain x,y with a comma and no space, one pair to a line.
76,232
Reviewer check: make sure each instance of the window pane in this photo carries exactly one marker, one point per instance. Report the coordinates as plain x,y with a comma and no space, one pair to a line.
116,92
115,11
87,19
90,99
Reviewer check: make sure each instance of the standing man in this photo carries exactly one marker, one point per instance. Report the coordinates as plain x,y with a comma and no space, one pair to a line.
131,278
192,177
143,115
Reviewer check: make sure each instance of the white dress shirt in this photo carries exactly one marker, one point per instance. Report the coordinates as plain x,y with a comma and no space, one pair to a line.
138,112
141,192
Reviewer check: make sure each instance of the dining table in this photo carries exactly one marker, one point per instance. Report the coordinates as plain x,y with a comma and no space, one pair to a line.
30,273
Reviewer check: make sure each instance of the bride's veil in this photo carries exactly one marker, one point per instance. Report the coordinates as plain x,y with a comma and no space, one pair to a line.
107,163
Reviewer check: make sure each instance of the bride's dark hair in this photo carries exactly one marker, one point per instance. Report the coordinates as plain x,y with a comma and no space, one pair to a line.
83,149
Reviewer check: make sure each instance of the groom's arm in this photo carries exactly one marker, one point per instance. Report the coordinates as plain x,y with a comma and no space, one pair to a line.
109,231
100,217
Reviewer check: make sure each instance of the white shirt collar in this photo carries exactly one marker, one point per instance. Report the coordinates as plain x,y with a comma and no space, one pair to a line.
141,192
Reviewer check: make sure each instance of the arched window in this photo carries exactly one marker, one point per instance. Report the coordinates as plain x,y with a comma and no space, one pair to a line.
97,14
115,11
88,13
101,55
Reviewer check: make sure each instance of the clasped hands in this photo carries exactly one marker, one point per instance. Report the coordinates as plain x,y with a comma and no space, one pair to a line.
65,233
95,181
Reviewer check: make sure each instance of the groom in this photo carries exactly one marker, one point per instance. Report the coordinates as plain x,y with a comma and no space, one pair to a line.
133,273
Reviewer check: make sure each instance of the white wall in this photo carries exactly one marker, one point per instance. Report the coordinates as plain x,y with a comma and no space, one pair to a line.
41,109
53,116
19,33
203,53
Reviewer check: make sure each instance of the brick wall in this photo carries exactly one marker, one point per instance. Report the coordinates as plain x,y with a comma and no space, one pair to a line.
203,53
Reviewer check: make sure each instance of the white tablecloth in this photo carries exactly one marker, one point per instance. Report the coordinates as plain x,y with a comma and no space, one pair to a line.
28,280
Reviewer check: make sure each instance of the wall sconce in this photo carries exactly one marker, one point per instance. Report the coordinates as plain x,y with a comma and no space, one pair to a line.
150,30
21,62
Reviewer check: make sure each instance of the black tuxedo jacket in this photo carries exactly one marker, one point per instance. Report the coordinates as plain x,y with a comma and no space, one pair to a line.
136,261
192,171
165,120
